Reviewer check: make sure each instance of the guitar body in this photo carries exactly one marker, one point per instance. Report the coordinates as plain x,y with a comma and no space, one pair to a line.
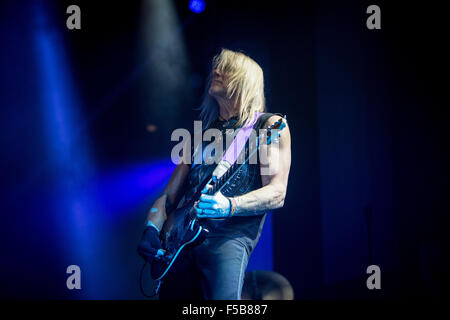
180,232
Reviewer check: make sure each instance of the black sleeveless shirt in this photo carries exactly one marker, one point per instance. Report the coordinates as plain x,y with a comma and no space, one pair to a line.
248,178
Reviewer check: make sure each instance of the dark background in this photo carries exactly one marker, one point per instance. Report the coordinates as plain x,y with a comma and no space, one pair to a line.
369,175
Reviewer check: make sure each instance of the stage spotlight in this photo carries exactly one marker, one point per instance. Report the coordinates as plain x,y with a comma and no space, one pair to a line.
197,6
70,158
163,82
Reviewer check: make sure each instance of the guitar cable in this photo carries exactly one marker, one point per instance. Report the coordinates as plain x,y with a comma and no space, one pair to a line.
141,287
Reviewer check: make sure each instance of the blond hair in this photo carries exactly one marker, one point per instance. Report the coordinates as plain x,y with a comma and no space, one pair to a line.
245,83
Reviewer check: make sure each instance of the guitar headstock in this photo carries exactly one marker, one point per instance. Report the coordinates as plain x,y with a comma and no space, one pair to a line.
278,126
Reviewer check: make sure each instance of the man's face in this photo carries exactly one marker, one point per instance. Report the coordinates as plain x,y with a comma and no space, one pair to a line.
218,84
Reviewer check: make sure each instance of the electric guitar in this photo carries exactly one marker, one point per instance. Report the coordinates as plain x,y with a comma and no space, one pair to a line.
182,228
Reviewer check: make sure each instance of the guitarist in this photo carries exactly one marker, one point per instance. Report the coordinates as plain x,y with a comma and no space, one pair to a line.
234,216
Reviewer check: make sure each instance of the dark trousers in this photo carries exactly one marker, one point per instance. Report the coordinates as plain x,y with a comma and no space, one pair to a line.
213,270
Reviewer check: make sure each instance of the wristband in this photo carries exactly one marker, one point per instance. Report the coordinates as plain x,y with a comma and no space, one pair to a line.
150,224
233,206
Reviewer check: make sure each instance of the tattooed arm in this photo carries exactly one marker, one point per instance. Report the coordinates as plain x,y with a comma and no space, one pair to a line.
274,174
275,162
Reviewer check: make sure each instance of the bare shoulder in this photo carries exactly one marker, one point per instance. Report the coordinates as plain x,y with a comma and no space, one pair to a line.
271,121
274,119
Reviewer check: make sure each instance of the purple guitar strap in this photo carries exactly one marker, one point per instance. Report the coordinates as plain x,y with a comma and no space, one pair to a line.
239,141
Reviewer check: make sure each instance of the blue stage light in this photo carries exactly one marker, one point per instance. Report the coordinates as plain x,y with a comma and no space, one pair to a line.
70,161
121,191
197,6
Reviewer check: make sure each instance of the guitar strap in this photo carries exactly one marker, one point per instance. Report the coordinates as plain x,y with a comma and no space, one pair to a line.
228,159
235,148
